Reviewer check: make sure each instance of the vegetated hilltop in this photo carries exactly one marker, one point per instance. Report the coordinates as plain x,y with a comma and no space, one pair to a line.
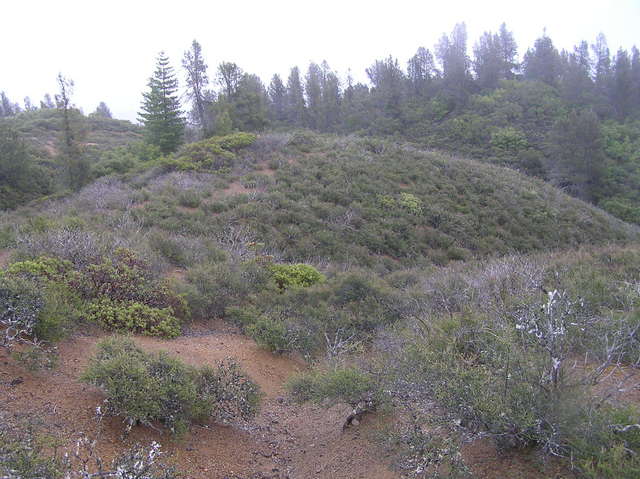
43,130
354,200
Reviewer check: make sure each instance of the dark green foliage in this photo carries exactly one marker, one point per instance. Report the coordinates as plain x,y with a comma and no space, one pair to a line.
344,202
145,388
20,178
120,294
161,115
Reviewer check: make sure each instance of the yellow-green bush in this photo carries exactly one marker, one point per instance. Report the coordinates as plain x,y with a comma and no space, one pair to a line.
295,275
134,317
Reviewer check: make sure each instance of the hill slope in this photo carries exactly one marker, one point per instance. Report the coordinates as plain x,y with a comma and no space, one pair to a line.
344,199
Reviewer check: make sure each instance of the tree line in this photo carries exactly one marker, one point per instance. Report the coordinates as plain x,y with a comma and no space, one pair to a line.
567,116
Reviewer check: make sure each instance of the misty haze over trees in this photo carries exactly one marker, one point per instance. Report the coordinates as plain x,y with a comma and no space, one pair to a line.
569,117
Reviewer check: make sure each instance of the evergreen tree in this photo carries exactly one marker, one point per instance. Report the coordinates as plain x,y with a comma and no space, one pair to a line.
197,81
388,83
542,62
488,61
576,85
575,145
509,53
161,115
622,87
6,107
452,53
103,111
75,167
331,98
249,104
229,76
313,91
635,78
277,100
420,71
295,99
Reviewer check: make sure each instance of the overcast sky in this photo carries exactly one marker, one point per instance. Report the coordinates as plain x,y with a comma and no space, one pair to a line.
109,47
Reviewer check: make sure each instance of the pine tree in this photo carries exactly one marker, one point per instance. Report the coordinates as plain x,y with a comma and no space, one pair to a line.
277,100
197,81
542,62
296,109
75,166
161,115
103,111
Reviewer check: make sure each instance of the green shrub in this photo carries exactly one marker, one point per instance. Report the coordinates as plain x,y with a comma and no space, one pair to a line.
411,203
144,388
270,334
51,269
23,457
215,153
168,248
347,385
133,317
295,275
212,288
608,448
189,199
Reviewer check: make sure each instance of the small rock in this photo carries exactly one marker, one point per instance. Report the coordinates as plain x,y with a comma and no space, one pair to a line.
355,422
16,381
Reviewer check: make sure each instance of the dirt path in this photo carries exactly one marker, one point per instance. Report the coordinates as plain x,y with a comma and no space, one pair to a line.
284,441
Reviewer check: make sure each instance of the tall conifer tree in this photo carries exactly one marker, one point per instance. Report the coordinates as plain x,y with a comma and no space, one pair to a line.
161,115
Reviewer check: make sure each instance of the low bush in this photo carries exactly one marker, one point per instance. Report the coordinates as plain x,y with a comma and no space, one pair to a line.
133,317
348,385
295,275
270,334
23,457
144,388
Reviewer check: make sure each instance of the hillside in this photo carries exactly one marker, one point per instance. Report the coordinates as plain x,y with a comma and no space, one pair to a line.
340,199
42,129
403,313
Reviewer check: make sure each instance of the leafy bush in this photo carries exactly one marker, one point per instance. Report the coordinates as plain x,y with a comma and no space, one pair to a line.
23,457
295,275
270,334
134,317
214,153
608,447
51,269
348,385
144,388
20,307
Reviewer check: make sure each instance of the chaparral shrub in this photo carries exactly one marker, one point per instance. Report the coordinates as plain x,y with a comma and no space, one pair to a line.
148,387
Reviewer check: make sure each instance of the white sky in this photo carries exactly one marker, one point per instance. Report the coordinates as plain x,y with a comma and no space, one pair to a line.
109,47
